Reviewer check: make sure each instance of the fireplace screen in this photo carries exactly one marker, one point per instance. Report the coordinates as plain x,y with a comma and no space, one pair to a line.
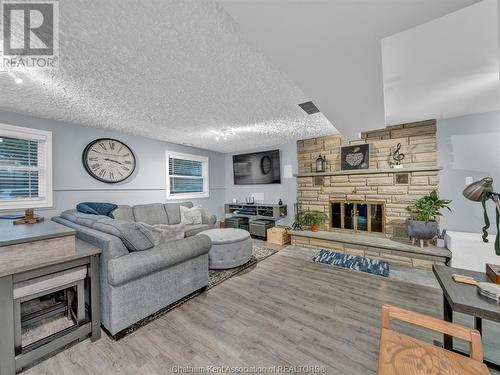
359,216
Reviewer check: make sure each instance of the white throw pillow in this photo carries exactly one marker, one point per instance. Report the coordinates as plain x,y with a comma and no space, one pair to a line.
190,216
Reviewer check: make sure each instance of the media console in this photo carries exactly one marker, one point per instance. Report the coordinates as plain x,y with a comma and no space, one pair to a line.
256,218
256,211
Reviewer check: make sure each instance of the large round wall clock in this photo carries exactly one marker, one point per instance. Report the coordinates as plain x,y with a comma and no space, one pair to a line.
108,160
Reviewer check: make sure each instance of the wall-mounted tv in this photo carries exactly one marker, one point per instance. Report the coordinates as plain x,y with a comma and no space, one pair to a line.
257,168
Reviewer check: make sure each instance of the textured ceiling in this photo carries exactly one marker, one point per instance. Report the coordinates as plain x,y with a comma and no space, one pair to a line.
173,70
332,48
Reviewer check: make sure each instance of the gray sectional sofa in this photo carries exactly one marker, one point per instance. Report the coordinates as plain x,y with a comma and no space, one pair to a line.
136,284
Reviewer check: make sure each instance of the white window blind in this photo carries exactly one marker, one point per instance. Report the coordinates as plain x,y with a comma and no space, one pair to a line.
25,168
187,176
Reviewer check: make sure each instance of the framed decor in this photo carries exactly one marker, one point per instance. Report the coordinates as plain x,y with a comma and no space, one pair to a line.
355,157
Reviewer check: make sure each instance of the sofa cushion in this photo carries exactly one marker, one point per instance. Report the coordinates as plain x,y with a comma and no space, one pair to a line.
193,229
151,214
123,212
210,220
174,212
136,265
135,236
86,220
111,246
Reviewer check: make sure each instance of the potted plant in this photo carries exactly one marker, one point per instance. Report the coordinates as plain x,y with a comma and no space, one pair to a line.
425,212
314,219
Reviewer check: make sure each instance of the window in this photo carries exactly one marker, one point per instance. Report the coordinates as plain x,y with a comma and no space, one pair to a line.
187,176
25,168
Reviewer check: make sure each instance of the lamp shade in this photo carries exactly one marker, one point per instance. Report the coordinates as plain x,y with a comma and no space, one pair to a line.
475,191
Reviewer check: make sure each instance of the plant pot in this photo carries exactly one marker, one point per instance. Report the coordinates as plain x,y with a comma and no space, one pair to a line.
422,230
314,228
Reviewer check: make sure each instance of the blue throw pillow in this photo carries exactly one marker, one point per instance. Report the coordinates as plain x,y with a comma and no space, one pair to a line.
96,208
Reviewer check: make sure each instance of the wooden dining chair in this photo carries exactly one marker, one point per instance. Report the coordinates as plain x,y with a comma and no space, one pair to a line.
402,354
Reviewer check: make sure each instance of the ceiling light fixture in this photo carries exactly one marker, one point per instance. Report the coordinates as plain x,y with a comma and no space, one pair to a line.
223,134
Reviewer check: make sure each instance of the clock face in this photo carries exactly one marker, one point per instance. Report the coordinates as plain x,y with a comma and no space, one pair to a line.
108,160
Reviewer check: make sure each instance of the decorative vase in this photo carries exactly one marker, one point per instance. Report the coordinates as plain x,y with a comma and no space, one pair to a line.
314,228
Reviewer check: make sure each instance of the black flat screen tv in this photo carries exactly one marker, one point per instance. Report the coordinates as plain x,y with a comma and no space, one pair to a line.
257,168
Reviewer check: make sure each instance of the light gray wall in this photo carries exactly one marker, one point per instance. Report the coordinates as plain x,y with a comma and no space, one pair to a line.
468,146
72,184
286,190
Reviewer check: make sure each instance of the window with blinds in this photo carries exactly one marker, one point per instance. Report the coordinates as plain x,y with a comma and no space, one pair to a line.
25,168
187,176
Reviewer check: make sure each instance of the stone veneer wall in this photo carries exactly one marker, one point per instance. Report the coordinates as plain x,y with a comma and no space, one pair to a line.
418,142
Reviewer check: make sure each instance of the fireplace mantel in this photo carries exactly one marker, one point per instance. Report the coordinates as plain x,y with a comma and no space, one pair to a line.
370,171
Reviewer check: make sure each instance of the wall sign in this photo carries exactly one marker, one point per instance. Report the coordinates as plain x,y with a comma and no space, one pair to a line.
401,178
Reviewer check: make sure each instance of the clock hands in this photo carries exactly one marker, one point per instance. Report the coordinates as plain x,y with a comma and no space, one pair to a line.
113,161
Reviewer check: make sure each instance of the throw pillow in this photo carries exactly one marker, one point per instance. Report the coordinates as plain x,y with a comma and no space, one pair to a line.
135,236
96,208
190,216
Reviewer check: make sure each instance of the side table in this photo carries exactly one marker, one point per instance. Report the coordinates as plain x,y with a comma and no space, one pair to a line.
32,251
464,298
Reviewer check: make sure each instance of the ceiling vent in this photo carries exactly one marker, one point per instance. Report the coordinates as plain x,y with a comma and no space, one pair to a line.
309,108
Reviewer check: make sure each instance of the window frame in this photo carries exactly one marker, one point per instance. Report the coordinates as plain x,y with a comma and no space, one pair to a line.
204,175
45,178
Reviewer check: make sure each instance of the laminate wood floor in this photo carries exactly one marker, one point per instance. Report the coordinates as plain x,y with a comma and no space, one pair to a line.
282,312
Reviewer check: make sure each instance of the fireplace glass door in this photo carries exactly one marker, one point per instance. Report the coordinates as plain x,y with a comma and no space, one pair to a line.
358,216
361,216
349,215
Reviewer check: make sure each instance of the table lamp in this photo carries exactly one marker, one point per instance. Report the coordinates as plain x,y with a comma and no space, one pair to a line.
482,191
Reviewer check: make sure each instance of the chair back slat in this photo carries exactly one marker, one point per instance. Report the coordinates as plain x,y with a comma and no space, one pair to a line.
472,336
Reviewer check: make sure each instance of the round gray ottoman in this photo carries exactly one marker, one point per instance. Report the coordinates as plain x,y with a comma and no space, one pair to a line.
230,247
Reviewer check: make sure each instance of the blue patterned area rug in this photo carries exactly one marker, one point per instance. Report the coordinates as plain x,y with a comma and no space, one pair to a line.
353,262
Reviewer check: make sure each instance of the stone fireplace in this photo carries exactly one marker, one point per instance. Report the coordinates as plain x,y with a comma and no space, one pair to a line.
372,200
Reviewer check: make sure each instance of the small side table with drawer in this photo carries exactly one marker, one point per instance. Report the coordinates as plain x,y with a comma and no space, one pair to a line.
29,256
